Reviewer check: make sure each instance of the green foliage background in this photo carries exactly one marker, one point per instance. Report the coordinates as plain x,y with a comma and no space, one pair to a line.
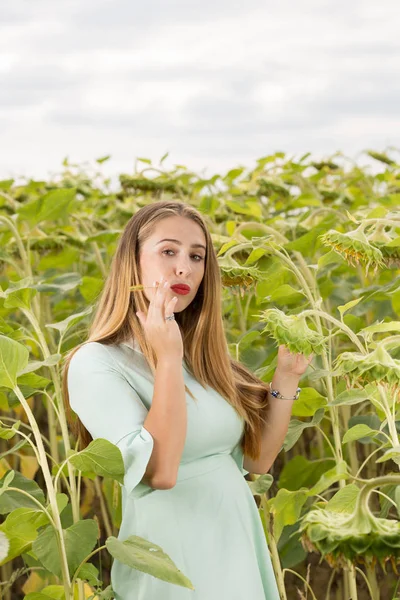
310,255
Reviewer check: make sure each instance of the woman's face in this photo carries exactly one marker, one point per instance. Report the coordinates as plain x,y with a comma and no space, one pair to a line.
179,261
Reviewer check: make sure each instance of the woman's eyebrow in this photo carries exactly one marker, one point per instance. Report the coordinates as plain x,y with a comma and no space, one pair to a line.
180,243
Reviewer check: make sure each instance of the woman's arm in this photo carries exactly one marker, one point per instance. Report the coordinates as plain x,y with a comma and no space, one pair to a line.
167,423
278,417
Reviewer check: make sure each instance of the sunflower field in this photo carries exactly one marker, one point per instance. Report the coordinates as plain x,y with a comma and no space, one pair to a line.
309,253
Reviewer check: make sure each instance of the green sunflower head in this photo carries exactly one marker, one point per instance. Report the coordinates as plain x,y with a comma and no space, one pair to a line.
293,332
354,247
376,367
359,537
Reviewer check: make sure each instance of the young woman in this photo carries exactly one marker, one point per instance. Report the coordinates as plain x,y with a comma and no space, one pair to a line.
155,377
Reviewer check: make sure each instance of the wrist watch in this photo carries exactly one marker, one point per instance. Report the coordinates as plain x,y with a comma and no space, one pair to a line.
277,394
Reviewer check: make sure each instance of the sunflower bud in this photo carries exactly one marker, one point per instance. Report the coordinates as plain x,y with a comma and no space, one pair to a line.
376,367
358,536
390,254
236,276
354,246
293,332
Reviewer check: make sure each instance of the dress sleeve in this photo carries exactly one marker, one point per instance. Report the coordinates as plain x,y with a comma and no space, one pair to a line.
238,456
110,408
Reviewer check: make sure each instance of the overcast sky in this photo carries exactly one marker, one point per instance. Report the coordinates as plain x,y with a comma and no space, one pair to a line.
216,83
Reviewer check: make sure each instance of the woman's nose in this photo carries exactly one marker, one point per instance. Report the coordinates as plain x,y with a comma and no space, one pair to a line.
184,266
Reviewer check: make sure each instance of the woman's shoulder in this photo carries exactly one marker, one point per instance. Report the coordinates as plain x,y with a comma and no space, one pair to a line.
93,353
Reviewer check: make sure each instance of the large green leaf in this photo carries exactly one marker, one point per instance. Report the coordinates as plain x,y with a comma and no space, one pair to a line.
261,484
349,305
50,361
20,298
70,321
144,556
80,540
349,397
53,205
6,433
338,472
13,359
286,509
21,527
299,472
91,287
10,500
308,403
344,500
60,283
100,457
50,592
357,432
291,551
297,427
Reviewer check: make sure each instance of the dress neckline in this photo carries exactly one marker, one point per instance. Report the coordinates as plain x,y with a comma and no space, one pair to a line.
134,345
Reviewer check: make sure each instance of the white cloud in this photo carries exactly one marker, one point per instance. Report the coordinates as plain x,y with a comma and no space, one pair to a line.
214,83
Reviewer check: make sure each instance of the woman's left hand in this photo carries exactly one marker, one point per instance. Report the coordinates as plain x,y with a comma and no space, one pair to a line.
293,364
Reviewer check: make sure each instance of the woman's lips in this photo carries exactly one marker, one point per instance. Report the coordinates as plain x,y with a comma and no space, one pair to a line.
180,290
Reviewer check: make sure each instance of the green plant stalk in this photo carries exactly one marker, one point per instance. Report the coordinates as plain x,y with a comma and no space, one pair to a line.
29,441
50,410
251,224
103,507
367,459
23,254
6,573
307,585
352,581
62,416
373,583
276,563
100,261
351,447
339,324
246,309
242,320
366,222
332,410
328,589
75,575
350,577
12,420
15,205
33,499
389,417
96,250
50,490
366,581
46,312
362,502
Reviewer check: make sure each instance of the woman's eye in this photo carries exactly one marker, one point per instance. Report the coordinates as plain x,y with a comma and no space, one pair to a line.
200,258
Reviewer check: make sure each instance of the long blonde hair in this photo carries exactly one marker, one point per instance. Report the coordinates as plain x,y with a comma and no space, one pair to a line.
205,346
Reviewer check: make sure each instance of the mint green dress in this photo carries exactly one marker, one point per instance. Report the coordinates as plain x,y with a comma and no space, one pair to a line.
208,523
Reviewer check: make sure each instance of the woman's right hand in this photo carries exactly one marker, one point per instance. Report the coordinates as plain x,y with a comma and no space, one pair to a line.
164,336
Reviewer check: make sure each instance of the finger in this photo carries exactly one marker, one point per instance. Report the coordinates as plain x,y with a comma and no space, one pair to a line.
150,310
159,302
170,305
